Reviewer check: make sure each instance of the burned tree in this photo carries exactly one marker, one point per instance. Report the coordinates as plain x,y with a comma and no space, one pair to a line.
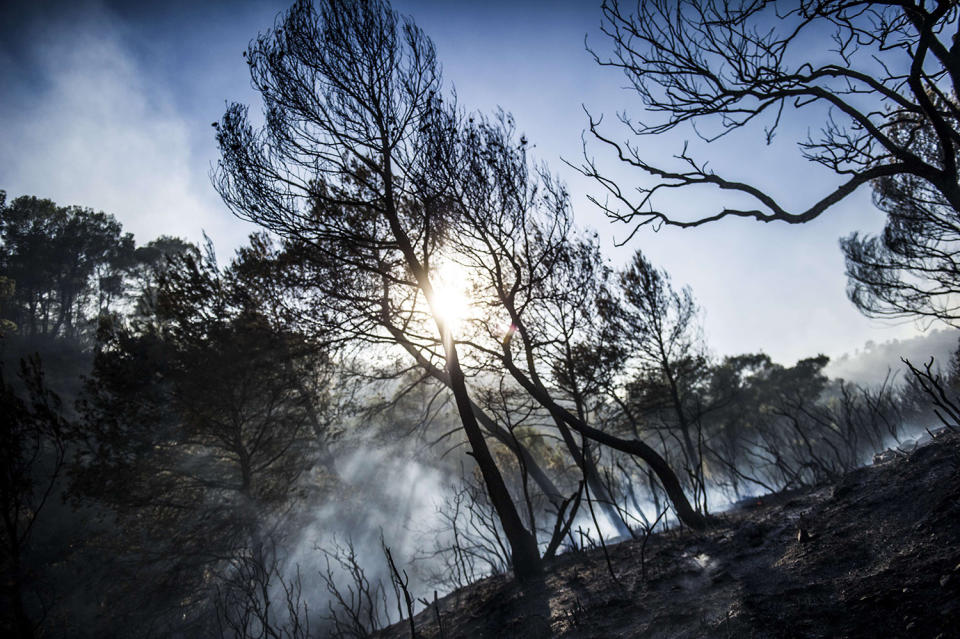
659,327
910,269
347,166
888,74
885,83
542,280
198,427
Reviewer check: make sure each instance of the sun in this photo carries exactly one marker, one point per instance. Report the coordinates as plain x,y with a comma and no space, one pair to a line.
451,300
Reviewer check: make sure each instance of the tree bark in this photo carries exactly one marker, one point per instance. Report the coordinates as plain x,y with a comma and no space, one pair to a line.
523,544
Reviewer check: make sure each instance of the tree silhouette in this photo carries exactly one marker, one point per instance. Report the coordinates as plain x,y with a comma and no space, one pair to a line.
516,230
910,269
61,259
659,327
197,428
886,73
347,164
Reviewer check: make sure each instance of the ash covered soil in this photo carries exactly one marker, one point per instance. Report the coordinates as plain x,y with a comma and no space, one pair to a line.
882,560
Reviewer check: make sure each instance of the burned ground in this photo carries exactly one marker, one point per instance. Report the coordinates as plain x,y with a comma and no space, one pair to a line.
880,558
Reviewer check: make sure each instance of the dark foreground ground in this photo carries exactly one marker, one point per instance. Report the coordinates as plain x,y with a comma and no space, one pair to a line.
882,560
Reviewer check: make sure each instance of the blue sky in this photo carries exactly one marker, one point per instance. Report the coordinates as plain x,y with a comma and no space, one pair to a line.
109,105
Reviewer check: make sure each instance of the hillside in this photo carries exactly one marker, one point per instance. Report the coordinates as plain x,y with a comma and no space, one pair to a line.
882,560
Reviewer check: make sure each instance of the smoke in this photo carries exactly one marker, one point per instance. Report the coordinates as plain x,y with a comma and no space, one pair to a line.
384,495
869,366
378,490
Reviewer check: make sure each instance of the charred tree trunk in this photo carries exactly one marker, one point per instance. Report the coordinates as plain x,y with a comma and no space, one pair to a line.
592,477
525,554
687,514
495,430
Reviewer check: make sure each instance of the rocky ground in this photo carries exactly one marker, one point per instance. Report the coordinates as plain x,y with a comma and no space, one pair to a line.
880,557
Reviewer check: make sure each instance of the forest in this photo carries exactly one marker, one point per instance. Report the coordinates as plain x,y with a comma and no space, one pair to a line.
421,371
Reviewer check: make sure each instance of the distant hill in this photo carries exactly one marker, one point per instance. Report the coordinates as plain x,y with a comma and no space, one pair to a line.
869,366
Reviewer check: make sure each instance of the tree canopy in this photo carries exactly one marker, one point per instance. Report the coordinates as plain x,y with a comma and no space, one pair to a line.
888,72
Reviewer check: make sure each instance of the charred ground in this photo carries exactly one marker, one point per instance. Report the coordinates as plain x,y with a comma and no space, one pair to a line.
881,559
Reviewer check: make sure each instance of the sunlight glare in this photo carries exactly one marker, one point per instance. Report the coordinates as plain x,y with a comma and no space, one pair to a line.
451,300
